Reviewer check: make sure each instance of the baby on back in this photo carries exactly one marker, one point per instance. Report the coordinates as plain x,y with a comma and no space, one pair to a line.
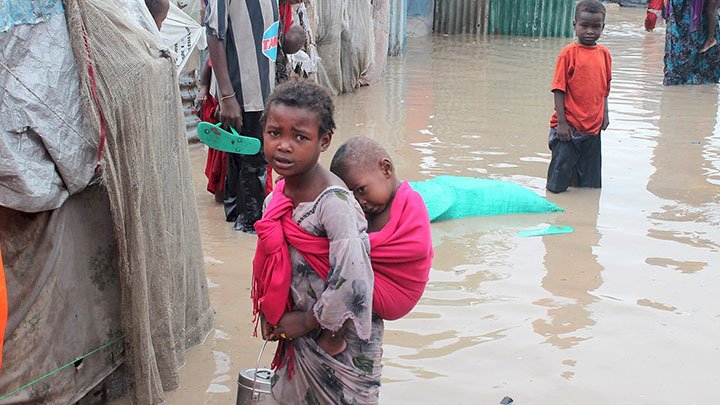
398,226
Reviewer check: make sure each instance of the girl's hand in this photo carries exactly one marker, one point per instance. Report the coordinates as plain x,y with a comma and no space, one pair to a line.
606,122
295,324
230,113
267,329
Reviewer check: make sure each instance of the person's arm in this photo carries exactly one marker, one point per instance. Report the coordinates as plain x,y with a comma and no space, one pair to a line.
205,77
230,113
606,116
563,129
292,325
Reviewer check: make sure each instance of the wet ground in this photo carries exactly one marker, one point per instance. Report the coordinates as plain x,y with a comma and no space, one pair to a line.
622,310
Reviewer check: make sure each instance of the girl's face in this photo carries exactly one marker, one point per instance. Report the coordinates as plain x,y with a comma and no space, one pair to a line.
292,142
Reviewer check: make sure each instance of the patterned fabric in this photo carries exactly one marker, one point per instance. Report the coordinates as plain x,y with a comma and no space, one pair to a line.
354,375
15,12
683,63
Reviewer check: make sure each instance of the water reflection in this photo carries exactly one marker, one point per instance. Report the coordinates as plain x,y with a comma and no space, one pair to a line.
572,272
683,163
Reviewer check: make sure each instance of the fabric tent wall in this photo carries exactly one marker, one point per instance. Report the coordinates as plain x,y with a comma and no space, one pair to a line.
129,253
64,298
345,42
164,298
381,33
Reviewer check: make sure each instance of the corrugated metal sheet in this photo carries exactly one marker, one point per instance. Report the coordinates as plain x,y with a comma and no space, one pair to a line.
536,18
540,18
398,26
461,16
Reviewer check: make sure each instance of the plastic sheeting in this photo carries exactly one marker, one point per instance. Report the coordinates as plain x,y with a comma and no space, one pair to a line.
47,148
15,12
182,35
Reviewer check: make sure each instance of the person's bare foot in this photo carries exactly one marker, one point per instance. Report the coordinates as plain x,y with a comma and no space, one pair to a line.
332,343
709,43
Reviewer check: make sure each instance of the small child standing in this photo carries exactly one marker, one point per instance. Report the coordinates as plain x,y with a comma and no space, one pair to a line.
581,87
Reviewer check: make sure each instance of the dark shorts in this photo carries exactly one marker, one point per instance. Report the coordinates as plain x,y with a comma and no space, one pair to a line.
576,162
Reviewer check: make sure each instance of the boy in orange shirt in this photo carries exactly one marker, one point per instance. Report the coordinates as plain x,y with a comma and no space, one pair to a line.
581,87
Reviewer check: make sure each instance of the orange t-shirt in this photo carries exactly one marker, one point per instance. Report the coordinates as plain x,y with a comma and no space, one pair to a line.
583,73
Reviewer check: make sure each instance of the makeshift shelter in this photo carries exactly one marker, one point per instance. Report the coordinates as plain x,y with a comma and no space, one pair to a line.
98,222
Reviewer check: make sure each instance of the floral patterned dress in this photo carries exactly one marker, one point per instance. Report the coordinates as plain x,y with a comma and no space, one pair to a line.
683,63
353,376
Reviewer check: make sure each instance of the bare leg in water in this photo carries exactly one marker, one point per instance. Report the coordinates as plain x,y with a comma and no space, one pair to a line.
711,8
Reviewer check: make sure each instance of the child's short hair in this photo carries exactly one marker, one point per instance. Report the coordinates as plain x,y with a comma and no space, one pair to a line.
590,6
361,152
305,94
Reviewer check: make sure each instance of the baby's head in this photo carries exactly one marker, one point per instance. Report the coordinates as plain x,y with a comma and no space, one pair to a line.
294,40
297,126
159,10
368,171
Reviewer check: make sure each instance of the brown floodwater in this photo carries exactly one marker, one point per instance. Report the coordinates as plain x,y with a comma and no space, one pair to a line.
622,310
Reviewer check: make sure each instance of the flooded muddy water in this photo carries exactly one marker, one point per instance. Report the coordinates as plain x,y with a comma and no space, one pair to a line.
622,310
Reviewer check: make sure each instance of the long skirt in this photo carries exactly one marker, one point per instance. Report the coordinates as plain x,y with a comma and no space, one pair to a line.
683,63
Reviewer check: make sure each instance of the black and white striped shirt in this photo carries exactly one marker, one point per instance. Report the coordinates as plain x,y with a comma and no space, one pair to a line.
249,30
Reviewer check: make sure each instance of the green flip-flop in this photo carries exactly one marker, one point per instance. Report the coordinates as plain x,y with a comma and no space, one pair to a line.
215,137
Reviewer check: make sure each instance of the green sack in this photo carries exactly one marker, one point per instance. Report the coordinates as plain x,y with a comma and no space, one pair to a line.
451,197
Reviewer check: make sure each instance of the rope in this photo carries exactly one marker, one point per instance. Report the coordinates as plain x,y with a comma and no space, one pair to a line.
61,368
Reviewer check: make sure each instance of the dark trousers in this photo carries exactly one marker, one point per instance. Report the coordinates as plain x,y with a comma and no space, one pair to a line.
245,182
577,162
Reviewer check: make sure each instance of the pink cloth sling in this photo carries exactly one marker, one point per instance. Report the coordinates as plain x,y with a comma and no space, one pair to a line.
401,255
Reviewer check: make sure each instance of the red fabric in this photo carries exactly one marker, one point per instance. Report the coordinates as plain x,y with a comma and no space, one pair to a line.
401,255
652,16
583,73
650,20
269,181
656,4
286,16
3,307
216,164
93,89
272,269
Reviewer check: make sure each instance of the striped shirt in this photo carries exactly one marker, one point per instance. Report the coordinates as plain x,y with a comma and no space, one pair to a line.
249,31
